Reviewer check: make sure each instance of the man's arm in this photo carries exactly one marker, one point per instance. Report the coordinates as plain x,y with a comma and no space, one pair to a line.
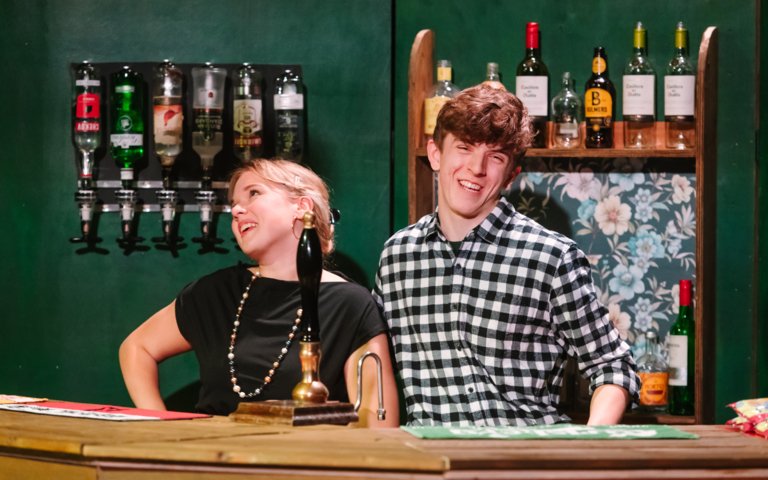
608,405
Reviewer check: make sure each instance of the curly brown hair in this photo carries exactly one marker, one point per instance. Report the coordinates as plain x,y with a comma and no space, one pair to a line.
485,115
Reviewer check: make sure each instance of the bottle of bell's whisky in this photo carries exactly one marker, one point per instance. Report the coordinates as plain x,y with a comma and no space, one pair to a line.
654,375
442,91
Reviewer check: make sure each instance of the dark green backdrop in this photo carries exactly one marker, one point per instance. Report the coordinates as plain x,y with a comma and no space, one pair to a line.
470,34
64,315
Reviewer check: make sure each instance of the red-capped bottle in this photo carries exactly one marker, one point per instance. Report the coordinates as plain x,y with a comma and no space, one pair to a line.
682,359
532,85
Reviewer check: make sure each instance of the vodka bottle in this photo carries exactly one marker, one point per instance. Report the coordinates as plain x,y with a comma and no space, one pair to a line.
442,91
532,85
638,95
566,116
86,119
247,113
289,116
208,110
679,94
168,114
127,137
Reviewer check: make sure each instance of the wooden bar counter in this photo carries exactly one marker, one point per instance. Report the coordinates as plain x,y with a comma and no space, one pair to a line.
41,447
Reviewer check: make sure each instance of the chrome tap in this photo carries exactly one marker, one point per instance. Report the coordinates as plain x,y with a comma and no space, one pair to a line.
381,412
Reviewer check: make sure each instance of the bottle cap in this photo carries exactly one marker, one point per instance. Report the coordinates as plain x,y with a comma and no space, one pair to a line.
685,293
532,35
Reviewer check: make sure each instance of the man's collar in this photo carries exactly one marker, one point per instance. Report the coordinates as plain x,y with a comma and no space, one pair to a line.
488,230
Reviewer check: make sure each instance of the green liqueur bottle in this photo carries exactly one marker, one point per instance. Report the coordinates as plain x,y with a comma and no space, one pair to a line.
682,359
127,137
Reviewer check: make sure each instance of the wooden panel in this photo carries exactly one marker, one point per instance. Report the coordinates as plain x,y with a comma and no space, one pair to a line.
14,468
706,220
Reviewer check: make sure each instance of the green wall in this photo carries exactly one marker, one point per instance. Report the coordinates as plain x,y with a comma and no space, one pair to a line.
64,315
470,34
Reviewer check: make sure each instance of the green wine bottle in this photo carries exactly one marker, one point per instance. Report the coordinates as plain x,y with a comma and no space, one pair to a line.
682,359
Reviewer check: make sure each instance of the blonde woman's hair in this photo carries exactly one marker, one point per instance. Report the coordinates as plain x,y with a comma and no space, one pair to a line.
297,181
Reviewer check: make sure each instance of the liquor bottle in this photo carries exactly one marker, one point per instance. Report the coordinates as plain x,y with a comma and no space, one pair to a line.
639,99
682,359
679,94
86,119
566,116
127,136
289,116
247,113
442,91
532,85
168,116
208,109
599,105
654,376
492,77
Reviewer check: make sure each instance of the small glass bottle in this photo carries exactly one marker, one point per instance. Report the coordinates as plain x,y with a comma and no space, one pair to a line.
654,375
679,94
289,117
566,116
492,77
442,91
638,95
682,358
247,113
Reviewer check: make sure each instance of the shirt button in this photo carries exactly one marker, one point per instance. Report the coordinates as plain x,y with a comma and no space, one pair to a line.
454,306
470,390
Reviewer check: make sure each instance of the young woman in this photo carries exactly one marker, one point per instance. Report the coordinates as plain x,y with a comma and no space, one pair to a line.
255,310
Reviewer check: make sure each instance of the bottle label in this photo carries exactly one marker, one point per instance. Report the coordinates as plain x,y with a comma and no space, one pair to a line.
432,107
126,140
289,102
677,345
679,95
88,105
532,91
598,65
87,82
124,88
208,120
653,391
247,117
569,129
168,121
638,94
444,74
598,103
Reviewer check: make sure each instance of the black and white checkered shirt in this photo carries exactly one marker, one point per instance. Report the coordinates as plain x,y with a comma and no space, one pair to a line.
480,337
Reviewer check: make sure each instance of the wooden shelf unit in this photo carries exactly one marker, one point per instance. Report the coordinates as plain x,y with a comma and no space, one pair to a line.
421,193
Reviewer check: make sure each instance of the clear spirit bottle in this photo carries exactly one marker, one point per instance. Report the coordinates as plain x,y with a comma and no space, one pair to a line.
654,375
442,91
566,115
247,119
168,115
86,119
289,117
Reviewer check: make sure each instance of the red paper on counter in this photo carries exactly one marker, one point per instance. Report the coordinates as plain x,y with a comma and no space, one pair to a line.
98,412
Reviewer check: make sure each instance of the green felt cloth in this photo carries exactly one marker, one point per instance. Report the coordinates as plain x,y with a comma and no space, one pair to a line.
559,432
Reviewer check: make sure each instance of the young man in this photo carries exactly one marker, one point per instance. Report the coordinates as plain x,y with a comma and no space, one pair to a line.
484,304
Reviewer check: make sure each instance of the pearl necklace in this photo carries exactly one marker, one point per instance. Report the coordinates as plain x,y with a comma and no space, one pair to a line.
233,338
